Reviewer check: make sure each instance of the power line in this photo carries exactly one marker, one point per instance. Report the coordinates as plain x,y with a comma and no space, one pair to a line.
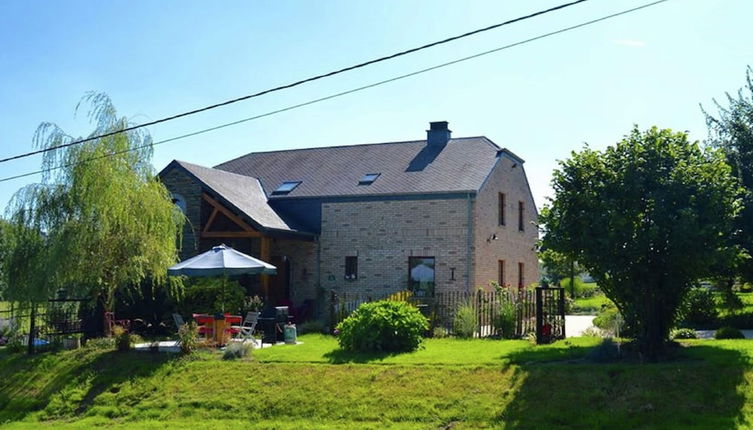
301,82
354,90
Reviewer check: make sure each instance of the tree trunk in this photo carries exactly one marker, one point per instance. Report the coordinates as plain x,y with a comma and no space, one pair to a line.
654,332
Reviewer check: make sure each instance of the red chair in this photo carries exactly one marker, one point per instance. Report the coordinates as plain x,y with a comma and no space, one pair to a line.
205,323
234,322
112,322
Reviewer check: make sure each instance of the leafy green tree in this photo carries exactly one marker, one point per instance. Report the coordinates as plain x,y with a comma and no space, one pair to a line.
99,221
558,267
647,218
732,131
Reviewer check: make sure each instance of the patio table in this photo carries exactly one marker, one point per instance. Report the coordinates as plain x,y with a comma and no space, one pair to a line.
220,327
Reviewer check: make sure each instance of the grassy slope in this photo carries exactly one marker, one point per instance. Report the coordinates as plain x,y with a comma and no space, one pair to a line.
469,384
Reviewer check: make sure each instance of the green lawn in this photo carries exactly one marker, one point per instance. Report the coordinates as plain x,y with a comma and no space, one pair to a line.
450,384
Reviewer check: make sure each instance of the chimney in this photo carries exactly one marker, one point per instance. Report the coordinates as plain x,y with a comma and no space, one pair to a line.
438,134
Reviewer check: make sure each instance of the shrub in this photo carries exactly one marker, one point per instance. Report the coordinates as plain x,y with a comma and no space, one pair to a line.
440,333
313,326
382,326
122,339
593,332
728,333
237,350
507,319
188,337
609,319
582,289
465,323
683,333
698,308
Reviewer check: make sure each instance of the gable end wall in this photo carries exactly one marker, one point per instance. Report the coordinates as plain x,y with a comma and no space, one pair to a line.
512,245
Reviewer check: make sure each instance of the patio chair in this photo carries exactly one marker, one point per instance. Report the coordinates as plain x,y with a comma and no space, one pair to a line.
247,328
235,323
112,322
178,319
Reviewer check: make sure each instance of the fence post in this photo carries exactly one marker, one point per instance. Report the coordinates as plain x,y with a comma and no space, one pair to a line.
562,311
32,327
539,316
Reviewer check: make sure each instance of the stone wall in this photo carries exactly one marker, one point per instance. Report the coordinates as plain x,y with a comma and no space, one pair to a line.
512,246
384,233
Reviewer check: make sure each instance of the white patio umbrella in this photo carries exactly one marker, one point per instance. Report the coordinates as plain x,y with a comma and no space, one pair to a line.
222,261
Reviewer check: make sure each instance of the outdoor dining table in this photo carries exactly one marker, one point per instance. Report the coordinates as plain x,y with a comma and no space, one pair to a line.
219,330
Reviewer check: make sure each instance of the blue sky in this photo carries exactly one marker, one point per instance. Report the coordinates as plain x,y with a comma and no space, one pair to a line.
541,100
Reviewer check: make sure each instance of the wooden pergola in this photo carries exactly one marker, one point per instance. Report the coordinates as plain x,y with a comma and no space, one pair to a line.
246,231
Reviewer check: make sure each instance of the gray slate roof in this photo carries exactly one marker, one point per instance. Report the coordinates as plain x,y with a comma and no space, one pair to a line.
404,167
243,192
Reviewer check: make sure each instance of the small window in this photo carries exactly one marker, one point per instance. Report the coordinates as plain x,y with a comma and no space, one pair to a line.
180,202
351,267
286,187
421,276
521,279
521,210
501,279
368,178
501,209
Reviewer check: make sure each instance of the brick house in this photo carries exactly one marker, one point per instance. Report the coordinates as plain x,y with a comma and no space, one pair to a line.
433,215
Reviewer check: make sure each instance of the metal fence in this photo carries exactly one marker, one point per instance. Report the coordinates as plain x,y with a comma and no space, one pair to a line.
44,323
442,309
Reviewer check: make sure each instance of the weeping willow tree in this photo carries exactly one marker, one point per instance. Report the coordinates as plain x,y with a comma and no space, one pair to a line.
99,221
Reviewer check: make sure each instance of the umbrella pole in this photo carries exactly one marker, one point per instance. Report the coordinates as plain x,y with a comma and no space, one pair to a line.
222,304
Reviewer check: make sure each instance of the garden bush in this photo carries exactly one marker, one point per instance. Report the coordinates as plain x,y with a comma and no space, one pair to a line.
683,333
728,333
188,338
237,350
698,308
382,326
506,319
608,318
122,339
465,323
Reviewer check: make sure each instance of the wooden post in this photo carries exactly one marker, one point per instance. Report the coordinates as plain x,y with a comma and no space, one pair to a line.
265,256
539,316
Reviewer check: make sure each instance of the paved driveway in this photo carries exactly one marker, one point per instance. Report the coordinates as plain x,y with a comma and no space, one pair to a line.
575,325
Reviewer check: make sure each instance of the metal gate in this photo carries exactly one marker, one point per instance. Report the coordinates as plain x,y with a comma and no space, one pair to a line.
550,314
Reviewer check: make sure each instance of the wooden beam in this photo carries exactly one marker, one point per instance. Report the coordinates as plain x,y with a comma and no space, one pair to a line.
266,251
242,224
232,234
215,211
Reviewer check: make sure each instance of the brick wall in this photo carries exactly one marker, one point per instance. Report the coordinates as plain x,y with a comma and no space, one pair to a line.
383,234
512,245
303,268
178,182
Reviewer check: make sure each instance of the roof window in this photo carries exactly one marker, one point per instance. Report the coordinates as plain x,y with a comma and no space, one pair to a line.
285,188
368,178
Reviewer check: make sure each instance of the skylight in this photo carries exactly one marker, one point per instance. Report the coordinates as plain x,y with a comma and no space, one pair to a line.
368,178
286,187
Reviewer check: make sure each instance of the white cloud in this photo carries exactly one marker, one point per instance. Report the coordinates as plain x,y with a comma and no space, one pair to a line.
631,43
